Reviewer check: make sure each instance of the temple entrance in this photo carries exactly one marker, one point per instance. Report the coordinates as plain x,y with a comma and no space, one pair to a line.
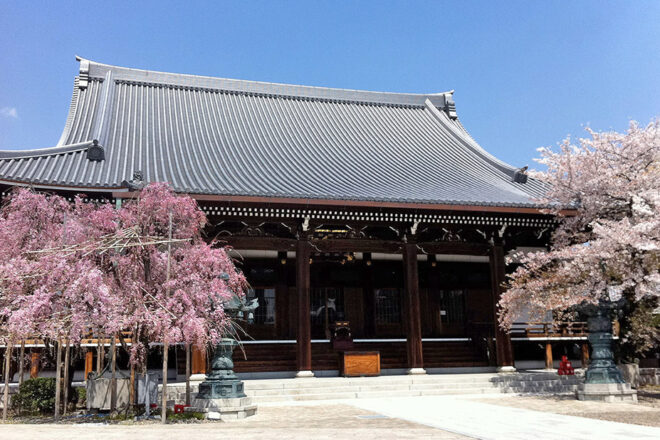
326,307
447,310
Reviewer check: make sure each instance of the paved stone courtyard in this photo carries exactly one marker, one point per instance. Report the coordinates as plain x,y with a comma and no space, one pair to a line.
437,417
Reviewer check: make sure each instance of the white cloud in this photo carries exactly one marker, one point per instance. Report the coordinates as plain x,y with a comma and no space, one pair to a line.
9,112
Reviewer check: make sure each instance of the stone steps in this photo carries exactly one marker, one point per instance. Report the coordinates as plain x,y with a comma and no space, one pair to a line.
283,390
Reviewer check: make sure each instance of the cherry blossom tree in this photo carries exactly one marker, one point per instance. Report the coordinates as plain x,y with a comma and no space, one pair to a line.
69,267
605,193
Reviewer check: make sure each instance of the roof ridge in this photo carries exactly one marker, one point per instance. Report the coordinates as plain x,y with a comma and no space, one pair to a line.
49,151
92,69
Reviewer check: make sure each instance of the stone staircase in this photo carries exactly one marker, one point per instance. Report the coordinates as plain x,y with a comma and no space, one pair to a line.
331,388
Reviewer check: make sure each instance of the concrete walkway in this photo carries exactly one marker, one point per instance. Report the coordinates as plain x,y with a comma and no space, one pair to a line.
491,421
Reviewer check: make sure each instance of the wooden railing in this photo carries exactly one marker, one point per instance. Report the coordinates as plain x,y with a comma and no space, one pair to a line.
554,329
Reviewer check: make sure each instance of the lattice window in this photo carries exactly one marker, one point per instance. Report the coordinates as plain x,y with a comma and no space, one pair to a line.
388,306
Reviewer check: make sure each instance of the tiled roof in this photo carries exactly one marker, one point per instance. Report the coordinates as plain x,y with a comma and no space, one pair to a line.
229,137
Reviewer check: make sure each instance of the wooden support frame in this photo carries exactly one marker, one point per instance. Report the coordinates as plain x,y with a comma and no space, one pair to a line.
303,334
411,292
503,347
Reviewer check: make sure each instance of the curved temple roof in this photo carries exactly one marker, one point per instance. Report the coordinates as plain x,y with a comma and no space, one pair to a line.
229,137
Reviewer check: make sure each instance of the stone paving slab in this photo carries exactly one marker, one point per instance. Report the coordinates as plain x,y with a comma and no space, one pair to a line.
301,422
491,421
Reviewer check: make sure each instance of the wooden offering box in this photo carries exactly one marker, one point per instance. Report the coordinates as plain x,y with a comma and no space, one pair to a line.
360,363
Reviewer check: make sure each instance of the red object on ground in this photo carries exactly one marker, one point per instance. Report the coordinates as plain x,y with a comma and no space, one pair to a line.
565,367
178,409
154,405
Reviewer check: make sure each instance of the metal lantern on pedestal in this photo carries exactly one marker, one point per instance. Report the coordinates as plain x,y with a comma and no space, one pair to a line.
222,382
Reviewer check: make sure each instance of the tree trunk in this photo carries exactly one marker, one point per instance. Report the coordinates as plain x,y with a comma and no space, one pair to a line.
67,360
113,377
163,409
131,395
21,363
188,374
58,379
5,397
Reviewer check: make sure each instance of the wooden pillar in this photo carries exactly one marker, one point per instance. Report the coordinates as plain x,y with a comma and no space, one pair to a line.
89,363
303,333
414,326
35,358
585,354
198,361
503,347
548,356
369,296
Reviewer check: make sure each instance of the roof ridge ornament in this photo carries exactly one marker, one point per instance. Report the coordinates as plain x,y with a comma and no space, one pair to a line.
95,152
520,175
136,183
450,105
83,76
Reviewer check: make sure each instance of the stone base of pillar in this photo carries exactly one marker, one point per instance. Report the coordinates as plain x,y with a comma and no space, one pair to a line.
606,392
223,409
416,371
506,369
200,377
304,373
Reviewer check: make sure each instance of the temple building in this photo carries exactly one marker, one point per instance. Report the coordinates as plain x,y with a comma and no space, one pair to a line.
377,212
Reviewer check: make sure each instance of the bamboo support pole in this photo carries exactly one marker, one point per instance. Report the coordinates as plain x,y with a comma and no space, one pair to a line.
99,356
67,361
113,377
163,404
131,395
187,374
163,411
58,378
5,396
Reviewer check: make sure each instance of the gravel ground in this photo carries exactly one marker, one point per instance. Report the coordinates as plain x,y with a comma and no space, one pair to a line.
318,422
646,412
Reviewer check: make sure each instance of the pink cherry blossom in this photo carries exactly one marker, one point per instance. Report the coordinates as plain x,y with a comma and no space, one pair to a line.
609,244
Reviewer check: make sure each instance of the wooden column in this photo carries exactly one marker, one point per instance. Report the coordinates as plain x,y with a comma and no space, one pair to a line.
503,348
548,356
414,326
585,354
198,361
89,363
303,334
369,296
34,364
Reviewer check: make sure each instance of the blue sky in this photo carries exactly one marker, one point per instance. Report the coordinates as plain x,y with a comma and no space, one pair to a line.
526,73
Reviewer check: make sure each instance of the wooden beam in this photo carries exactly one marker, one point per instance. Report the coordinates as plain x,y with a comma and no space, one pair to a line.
414,327
321,203
455,248
303,334
504,349
260,243
356,245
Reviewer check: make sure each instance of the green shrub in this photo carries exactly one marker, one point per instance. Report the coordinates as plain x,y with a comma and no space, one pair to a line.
35,396
81,392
